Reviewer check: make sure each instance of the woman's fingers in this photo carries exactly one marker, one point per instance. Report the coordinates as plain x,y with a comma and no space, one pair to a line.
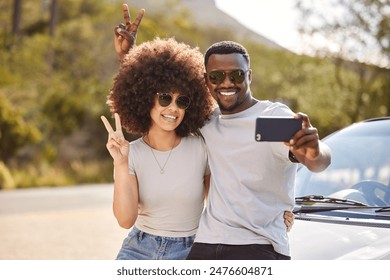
107,125
118,126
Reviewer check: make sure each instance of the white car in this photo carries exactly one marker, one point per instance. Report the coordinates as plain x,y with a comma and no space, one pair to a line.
344,211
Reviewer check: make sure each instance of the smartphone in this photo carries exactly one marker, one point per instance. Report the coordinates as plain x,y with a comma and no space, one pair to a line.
276,129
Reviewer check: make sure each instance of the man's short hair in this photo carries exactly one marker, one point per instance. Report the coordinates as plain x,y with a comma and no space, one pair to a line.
226,47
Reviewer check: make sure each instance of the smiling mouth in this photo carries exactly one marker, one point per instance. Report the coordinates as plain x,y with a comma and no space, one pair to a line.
170,117
227,93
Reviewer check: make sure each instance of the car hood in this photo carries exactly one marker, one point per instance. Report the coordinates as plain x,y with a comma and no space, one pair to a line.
312,240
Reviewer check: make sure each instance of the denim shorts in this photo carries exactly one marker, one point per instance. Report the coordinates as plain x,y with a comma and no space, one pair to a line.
139,245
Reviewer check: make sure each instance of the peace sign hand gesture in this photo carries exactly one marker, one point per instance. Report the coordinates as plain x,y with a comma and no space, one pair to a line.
116,143
126,34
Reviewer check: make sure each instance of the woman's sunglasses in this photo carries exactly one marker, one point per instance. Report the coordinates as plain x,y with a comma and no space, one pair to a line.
182,101
218,76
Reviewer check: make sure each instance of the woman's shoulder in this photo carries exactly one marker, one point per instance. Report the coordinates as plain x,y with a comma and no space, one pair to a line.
194,145
137,143
193,139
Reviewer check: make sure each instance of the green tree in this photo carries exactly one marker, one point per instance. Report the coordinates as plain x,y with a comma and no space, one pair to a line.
15,132
355,30
357,39
16,17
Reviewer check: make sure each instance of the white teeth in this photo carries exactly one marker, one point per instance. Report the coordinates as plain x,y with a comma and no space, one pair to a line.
227,93
170,117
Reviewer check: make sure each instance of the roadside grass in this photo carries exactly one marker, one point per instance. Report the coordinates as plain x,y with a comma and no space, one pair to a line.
45,175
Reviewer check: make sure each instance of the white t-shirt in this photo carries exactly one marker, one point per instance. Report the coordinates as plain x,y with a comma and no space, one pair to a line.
170,204
252,183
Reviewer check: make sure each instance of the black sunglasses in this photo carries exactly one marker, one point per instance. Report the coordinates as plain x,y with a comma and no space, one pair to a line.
164,99
218,76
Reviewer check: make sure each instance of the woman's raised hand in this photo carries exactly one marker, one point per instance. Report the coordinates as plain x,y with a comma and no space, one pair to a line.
117,145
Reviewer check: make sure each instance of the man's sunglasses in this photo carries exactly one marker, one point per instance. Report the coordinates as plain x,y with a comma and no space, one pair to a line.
182,101
218,76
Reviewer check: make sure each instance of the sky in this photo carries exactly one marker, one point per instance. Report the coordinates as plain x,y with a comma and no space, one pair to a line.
273,19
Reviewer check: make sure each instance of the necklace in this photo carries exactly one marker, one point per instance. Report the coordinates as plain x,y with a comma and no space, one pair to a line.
155,158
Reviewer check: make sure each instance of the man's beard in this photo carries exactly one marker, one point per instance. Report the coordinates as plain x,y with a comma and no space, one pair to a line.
232,107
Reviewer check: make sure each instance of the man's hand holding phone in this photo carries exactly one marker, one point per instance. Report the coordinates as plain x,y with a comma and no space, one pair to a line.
297,133
307,148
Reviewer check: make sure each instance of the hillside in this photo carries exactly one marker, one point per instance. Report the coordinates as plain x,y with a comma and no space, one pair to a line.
206,14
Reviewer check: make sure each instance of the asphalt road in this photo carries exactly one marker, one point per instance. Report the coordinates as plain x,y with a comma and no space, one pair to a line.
61,223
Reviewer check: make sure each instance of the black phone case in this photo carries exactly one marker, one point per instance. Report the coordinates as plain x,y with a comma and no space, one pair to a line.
276,129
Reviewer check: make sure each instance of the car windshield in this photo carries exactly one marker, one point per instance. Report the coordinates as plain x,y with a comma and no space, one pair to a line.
360,168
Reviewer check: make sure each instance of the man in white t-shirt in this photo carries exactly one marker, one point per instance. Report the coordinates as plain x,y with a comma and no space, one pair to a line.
252,183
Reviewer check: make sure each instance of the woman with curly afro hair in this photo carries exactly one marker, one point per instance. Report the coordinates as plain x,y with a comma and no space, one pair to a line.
161,179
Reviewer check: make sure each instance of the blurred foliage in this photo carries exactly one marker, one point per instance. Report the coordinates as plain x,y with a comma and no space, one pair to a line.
14,131
53,88
6,179
354,29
